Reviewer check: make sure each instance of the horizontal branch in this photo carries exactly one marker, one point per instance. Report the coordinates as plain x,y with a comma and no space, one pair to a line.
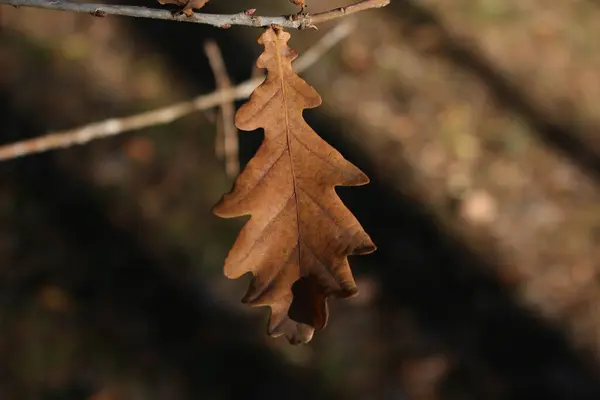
246,18
165,115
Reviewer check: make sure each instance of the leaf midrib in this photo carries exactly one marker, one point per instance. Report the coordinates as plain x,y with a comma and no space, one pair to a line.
288,138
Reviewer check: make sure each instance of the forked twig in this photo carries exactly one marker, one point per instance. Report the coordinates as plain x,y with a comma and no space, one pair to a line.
246,18
165,115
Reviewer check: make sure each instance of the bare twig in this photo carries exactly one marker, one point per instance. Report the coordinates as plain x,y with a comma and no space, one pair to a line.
299,21
344,11
165,115
313,54
226,142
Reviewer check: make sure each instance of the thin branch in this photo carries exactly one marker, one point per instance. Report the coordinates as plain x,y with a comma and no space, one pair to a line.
314,53
165,115
246,18
227,134
345,11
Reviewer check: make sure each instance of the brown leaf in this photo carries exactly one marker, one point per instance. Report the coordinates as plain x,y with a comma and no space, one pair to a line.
300,233
188,5
299,3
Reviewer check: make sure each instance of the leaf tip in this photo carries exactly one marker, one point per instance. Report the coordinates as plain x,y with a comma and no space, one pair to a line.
218,209
367,248
227,207
362,179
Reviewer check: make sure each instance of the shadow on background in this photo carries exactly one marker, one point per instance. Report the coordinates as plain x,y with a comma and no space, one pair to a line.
120,286
569,139
455,296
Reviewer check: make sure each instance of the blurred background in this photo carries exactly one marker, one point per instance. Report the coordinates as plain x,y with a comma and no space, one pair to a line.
479,124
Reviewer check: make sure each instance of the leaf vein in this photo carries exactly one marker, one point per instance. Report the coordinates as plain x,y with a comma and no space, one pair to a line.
271,220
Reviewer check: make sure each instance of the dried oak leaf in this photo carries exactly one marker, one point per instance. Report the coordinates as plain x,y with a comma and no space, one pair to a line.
188,5
299,3
300,233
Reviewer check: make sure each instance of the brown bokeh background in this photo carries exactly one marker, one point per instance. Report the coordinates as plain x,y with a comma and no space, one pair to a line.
479,124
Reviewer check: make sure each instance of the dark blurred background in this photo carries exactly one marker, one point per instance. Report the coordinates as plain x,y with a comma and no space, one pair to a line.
478,122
